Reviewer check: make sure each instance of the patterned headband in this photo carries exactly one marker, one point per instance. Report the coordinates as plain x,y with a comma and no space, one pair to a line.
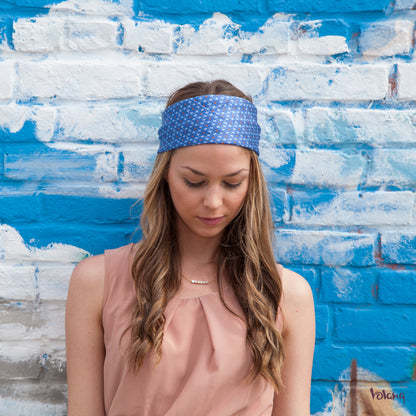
220,119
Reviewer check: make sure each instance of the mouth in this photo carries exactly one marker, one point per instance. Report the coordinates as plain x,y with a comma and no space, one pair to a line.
211,220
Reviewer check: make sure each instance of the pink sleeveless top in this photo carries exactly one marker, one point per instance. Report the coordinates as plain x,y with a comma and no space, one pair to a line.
204,354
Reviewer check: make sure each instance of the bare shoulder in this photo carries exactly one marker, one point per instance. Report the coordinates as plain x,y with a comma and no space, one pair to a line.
297,297
87,280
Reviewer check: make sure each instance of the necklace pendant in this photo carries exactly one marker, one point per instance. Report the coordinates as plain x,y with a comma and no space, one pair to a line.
199,282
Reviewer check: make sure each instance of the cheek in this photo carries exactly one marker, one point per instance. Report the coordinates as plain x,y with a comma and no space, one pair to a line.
238,199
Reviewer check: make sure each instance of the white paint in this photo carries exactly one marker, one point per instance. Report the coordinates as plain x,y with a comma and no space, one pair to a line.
14,406
387,38
351,125
150,37
41,34
79,80
355,208
406,81
327,167
392,166
6,76
304,81
108,123
89,35
13,248
323,45
165,77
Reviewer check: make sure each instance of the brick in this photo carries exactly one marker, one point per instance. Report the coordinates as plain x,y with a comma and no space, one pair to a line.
322,322
17,282
392,167
63,166
79,240
376,325
404,5
16,118
84,81
221,36
386,38
149,37
137,163
81,209
322,393
160,7
398,247
312,167
328,82
397,287
271,38
279,204
32,320
325,248
41,34
279,127
353,208
216,36
53,283
6,84
392,363
32,407
354,126
249,78
90,35
325,6
48,399
342,285
136,123
321,37
15,208
323,45
406,87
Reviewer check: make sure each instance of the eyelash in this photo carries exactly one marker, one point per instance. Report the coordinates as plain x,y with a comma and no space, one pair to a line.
198,184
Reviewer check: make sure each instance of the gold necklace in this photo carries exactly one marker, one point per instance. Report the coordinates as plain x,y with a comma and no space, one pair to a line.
197,282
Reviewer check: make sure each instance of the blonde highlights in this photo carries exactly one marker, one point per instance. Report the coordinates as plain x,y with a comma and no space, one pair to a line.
245,256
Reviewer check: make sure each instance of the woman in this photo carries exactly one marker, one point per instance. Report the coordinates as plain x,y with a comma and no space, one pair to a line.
197,318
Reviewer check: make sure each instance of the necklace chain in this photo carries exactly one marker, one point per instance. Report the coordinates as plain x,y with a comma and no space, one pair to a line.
197,282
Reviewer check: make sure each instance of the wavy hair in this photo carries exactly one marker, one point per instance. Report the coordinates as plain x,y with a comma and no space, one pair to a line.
245,256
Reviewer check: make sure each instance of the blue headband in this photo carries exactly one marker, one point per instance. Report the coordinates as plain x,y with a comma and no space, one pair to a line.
219,119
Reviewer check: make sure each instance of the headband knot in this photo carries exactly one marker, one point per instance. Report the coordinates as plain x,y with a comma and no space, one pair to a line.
218,119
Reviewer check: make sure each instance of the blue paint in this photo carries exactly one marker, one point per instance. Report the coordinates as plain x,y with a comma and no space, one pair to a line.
344,285
391,363
398,248
327,6
322,322
377,325
330,249
278,202
283,172
397,287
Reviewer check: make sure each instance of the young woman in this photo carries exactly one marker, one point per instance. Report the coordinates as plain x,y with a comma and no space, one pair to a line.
197,318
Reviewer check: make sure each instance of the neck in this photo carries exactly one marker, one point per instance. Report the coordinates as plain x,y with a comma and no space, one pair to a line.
197,253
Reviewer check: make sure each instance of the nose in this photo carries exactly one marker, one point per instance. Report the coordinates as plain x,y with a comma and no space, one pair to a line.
213,197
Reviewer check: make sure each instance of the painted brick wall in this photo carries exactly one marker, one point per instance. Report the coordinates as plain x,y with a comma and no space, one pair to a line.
82,85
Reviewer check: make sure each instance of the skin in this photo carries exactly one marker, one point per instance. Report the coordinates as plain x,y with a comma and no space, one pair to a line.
208,184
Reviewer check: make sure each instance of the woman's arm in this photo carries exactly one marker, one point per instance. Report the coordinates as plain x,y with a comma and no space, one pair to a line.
299,341
84,339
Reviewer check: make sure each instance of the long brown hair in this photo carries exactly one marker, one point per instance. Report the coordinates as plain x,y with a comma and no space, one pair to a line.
245,256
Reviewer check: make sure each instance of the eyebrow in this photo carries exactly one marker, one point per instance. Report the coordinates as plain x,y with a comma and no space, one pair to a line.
197,172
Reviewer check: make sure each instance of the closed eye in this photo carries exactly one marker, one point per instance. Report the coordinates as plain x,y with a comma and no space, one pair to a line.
193,184
232,185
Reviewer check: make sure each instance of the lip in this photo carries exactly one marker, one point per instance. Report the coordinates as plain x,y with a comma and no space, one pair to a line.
211,220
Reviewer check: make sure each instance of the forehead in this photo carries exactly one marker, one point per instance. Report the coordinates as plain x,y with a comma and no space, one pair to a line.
212,158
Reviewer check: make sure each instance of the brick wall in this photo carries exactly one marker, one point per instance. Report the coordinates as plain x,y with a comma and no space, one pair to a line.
82,85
